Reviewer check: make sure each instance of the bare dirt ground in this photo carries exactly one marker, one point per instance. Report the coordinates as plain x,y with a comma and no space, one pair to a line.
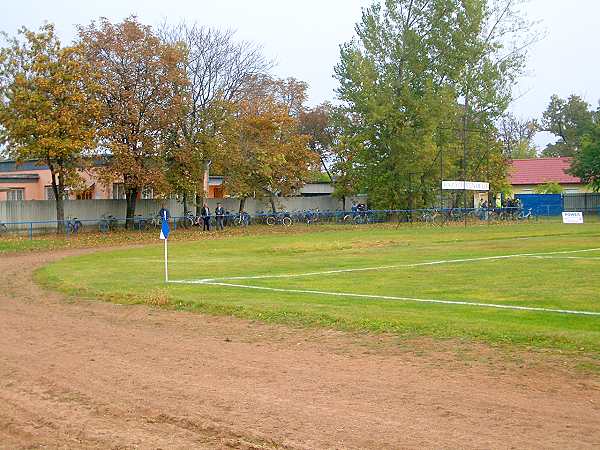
82,374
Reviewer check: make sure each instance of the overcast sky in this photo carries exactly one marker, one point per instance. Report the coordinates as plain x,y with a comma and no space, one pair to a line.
303,37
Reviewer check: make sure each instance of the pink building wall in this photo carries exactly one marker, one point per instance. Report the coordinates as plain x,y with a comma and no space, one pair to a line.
36,189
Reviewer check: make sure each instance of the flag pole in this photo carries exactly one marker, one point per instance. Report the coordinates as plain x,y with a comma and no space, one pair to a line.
166,263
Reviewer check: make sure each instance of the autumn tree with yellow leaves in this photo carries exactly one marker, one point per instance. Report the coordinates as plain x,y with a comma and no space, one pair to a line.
48,110
140,79
270,156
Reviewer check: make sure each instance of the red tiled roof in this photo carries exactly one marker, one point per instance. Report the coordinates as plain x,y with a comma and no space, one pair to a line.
541,170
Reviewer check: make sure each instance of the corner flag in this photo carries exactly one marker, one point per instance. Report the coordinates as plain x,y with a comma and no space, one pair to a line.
164,230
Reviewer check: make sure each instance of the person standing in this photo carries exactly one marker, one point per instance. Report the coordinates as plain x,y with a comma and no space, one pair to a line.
220,213
205,213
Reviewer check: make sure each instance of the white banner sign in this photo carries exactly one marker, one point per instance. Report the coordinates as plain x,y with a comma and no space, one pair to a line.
465,185
572,217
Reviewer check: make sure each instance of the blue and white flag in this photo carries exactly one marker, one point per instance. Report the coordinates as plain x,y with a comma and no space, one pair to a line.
164,229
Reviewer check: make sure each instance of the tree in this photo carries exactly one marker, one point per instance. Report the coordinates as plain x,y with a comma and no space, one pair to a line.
218,69
269,156
422,85
141,82
570,120
318,124
517,137
47,107
586,162
550,187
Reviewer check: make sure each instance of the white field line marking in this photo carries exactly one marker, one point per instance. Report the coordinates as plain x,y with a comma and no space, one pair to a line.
409,299
395,266
586,258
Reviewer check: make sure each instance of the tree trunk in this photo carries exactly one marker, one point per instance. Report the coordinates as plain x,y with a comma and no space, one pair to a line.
242,204
325,167
199,202
204,193
185,204
131,195
58,188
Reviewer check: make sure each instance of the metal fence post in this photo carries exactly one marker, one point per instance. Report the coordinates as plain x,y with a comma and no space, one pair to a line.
30,231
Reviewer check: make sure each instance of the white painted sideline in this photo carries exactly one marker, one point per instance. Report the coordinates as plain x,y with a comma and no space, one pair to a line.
395,266
408,299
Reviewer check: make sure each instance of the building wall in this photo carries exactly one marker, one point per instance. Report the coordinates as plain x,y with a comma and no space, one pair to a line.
33,190
36,189
568,188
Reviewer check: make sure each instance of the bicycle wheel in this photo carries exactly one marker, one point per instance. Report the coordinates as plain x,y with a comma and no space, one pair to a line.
271,220
104,226
3,228
286,221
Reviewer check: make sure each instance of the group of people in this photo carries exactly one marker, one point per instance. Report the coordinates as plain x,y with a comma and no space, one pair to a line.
205,214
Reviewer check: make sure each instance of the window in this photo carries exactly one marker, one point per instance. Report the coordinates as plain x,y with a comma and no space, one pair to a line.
15,194
118,191
147,193
49,193
86,194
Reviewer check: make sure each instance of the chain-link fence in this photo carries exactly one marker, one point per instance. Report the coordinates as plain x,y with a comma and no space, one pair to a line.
426,217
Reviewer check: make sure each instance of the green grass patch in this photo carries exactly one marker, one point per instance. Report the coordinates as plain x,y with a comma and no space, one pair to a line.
136,276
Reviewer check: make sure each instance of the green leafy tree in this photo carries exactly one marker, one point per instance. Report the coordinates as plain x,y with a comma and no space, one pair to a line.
570,120
550,187
517,137
586,162
48,110
318,124
423,84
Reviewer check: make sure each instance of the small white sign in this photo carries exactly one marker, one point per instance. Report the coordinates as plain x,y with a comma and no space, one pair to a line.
465,185
453,185
572,217
477,186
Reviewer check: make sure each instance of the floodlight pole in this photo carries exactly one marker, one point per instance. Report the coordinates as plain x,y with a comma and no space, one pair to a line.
465,124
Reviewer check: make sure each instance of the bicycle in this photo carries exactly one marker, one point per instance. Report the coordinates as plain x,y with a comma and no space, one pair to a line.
3,228
524,216
430,217
279,218
155,221
140,223
311,217
362,217
242,219
107,223
188,220
73,225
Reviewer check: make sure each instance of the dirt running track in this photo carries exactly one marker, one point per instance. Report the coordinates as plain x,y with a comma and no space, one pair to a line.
94,375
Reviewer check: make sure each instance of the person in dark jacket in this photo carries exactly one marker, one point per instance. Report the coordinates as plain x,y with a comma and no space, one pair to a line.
220,213
205,213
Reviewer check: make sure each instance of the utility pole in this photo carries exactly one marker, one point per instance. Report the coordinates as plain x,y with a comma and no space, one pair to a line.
464,174
441,178
410,195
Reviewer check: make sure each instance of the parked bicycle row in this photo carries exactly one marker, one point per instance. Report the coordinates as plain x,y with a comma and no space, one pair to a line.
221,219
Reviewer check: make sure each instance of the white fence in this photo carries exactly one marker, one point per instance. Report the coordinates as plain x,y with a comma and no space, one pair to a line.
45,210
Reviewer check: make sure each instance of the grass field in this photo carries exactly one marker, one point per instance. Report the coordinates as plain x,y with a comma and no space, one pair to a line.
546,279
